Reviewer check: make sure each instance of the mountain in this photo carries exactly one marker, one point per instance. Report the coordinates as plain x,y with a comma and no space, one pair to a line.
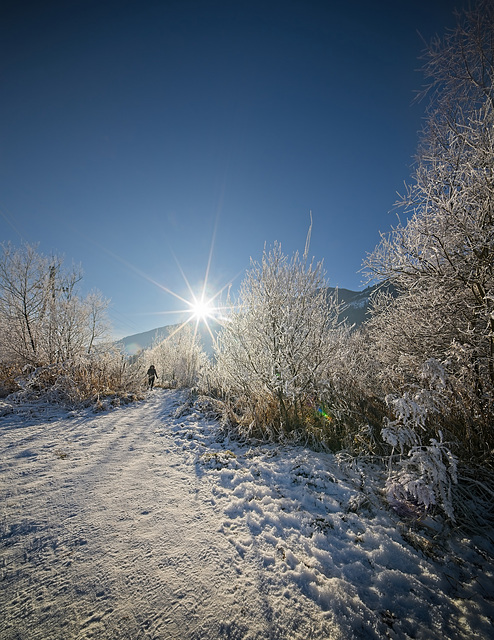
137,342
354,311
356,304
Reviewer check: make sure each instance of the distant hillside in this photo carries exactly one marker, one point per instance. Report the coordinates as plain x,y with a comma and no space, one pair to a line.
356,303
139,341
355,308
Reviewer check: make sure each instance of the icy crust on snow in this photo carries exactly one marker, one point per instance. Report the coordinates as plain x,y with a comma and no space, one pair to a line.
146,522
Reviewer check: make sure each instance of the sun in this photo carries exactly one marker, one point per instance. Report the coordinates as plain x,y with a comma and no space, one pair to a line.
202,309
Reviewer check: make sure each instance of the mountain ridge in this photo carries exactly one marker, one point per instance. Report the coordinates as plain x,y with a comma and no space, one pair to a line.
355,307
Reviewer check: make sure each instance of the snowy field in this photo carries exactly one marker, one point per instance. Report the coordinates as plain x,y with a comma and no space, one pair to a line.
143,523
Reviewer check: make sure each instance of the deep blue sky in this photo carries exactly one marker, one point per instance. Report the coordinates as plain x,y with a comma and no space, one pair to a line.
131,130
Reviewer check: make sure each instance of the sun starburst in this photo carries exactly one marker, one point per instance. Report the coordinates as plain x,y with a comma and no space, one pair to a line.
202,309
202,305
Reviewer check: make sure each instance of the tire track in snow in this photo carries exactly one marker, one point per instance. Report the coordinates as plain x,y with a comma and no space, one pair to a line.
107,533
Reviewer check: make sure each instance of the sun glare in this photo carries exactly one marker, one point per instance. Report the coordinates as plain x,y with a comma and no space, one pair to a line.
202,309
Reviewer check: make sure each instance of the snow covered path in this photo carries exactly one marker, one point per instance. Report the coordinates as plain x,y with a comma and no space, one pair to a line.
139,524
109,534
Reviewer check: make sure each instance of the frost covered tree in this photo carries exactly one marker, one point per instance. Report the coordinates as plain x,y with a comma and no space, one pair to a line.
273,351
178,358
442,257
55,343
23,302
43,317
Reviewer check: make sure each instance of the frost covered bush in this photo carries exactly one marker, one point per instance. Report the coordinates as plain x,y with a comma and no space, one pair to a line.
79,382
426,477
8,375
423,473
473,498
54,343
441,258
210,382
349,387
272,352
43,318
178,359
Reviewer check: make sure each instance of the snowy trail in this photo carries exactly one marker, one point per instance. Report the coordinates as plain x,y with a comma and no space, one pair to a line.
139,524
108,535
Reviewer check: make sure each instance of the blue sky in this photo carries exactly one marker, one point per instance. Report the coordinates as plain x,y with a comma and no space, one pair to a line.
138,135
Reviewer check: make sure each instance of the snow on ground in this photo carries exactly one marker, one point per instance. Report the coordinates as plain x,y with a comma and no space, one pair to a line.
144,522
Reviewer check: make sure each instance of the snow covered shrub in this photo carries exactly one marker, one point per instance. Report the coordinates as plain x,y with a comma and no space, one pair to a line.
351,392
210,381
425,473
325,427
271,353
55,341
442,258
473,497
43,318
410,420
178,358
8,375
406,332
425,477
78,382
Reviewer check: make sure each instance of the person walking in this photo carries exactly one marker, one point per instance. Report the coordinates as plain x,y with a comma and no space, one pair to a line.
152,374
